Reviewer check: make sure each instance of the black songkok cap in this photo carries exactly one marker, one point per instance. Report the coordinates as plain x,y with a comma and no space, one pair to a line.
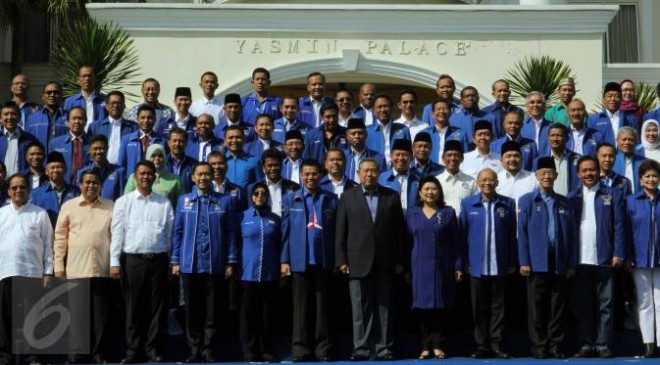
482,124
423,137
182,91
544,163
402,144
612,86
510,146
232,98
453,146
293,134
55,157
355,123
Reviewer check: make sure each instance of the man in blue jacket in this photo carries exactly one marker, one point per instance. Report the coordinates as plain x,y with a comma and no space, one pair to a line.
50,120
177,162
92,101
442,132
328,135
112,176
547,252
535,126
356,135
308,228
13,140
56,192
512,125
627,162
488,225
114,127
309,107
134,145
611,118
260,101
565,160
204,252
400,177
581,139
74,146
382,134
599,211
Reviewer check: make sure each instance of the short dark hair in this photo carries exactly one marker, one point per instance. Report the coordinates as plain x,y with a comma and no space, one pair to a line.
145,163
271,153
431,179
93,171
383,96
201,163
98,138
52,82
146,107
260,70
585,159
469,88
10,104
443,77
19,175
150,79
438,101
83,110
211,73
408,91
216,154
559,126
35,144
117,93
315,73
179,131
604,144
234,128
328,106
310,162
649,164
264,115
335,149
290,97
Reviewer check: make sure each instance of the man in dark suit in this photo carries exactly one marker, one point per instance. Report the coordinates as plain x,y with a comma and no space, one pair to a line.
369,241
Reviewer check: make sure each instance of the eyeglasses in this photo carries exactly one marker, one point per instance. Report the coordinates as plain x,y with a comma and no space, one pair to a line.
52,92
260,193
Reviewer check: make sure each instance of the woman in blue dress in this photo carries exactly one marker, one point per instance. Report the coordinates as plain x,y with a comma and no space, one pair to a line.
435,263
261,243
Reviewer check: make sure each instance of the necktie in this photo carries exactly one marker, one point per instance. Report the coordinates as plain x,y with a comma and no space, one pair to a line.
77,159
146,142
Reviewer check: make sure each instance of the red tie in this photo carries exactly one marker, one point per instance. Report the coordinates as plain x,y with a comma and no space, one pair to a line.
146,142
77,159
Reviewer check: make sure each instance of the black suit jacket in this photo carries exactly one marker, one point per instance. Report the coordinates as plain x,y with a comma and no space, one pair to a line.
364,245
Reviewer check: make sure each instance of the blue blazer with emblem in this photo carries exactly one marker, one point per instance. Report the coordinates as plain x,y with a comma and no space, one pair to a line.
192,146
638,223
655,114
431,168
527,149
104,127
252,108
279,130
465,120
242,169
315,146
113,178
528,131
45,197
37,124
453,134
427,114
573,180
223,231
130,151
221,126
610,229
592,138
389,180
256,148
185,171
351,168
261,243
24,139
496,111
64,145
533,245
98,100
601,122
294,230
306,111
164,126
375,139
472,222
620,168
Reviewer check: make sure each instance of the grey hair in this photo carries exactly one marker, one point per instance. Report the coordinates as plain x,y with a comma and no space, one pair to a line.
529,96
627,129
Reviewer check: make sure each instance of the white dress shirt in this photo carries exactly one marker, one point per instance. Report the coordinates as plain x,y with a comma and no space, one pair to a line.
474,162
578,139
36,181
442,133
588,246
11,156
213,107
515,186
537,129
614,120
89,109
275,196
629,172
386,131
295,170
368,116
561,184
338,186
456,188
141,225
489,263
114,141
415,126
26,244
403,192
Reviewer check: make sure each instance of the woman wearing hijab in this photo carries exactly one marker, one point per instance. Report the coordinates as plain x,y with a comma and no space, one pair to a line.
166,184
650,147
629,102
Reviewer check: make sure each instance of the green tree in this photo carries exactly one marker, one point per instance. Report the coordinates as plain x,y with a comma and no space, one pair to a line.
537,74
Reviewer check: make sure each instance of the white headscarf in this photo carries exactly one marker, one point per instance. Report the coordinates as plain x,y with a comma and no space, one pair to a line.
646,144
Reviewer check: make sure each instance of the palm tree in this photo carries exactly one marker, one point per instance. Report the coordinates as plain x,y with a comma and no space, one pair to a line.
537,74
105,46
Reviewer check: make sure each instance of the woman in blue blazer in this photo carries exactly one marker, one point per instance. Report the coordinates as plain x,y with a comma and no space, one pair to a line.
435,263
643,220
261,243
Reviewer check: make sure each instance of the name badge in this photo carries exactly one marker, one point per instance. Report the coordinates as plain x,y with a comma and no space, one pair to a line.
501,211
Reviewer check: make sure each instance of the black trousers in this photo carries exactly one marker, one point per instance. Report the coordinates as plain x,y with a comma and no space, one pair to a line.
431,323
205,295
593,304
546,299
145,291
88,304
257,317
310,313
6,326
14,291
488,310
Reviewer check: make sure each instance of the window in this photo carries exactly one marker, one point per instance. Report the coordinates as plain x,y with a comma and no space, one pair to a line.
621,40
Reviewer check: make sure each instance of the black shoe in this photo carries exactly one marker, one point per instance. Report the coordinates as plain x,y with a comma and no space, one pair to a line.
195,358
209,357
130,360
359,357
605,353
325,358
156,358
426,356
649,350
586,353
75,359
303,358
481,354
32,360
540,354
98,359
556,354
501,354
267,357
385,357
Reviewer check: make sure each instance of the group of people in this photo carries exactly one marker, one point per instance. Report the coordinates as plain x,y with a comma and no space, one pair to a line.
260,187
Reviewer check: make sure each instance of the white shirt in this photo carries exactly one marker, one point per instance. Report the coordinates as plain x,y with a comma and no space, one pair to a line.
515,186
415,126
578,140
141,225
36,179
26,244
316,104
588,246
456,188
275,198
11,156
344,122
442,133
368,115
295,170
114,141
629,171
537,129
614,120
386,131
265,144
489,264
561,184
474,162
89,108
212,107
403,192
338,186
